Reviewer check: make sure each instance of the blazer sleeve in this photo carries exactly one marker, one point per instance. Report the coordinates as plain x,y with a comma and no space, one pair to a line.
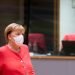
29,65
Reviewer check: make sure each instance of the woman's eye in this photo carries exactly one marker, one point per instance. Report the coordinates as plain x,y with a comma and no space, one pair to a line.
18,34
22,33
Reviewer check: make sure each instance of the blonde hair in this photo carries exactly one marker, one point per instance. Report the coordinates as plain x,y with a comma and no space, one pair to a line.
11,27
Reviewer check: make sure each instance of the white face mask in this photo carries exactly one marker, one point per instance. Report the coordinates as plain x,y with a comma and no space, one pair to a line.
19,39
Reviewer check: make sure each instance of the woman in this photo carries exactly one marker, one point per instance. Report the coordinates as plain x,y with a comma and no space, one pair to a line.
14,56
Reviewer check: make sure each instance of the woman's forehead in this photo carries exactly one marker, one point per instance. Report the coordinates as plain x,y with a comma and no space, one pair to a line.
18,31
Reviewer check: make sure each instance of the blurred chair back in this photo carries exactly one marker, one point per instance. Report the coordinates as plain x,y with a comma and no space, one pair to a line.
39,40
69,37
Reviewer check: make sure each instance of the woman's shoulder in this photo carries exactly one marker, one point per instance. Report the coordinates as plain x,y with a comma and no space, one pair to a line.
2,52
3,48
25,46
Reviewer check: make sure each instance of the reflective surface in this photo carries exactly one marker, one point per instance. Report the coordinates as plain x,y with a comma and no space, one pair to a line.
42,27
40,16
